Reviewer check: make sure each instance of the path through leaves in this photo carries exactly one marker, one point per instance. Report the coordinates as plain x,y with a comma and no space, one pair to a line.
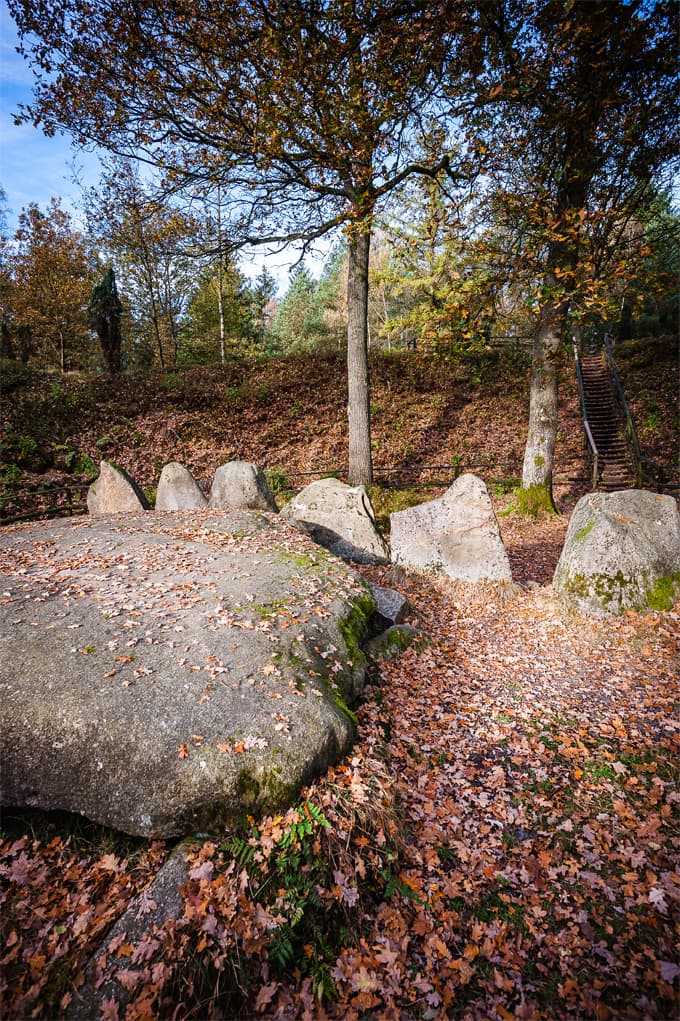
502,842
536,755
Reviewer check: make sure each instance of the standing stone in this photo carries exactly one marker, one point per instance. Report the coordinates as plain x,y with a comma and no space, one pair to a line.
179,490
240,485
114,492
621,552
456,535
160,902
340,518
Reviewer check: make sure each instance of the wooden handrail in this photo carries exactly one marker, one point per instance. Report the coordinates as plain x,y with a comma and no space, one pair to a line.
624,411
65,509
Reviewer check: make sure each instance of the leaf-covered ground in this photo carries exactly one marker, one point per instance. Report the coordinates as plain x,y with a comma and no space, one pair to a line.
289,416
502,842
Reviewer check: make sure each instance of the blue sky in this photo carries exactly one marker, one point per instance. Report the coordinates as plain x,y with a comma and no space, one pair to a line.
33,168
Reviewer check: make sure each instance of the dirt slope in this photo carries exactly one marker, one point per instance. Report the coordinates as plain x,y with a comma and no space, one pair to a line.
289,416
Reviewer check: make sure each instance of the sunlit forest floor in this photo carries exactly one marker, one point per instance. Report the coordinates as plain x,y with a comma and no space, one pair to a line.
503,840
289,416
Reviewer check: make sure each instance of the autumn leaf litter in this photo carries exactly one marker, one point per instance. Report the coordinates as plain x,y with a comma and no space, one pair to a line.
501,843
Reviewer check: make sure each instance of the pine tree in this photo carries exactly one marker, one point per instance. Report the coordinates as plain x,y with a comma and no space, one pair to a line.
104,312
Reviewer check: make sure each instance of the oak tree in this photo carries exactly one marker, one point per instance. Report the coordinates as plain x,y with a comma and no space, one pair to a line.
305,112
51,272
580,120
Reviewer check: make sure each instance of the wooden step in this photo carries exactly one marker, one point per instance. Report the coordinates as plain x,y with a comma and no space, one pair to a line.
614,464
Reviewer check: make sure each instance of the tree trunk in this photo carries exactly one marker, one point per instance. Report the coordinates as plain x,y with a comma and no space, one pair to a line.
147,267
220,310
359,390
220,275
540,446
6,344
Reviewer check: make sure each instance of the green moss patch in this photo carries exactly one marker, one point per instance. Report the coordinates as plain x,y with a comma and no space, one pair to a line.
664,592
534,501
387,500
586,530
353,627
604,587
619,592
392,642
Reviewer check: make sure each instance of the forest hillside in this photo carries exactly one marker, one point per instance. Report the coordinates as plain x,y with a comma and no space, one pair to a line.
501,841
432,417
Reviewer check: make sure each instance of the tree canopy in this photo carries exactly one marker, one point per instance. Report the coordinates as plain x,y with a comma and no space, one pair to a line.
307,113
579,120
305,116
47,276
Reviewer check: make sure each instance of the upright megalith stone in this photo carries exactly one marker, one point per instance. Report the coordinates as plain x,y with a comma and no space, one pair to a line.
621,552
179,490
114,492
161,902
241,485
456,535
340,518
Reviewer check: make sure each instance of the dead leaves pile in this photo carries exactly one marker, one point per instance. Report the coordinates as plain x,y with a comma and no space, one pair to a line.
537,760
58,900
502,843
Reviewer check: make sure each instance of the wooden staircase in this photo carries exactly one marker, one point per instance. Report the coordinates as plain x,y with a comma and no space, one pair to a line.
615,466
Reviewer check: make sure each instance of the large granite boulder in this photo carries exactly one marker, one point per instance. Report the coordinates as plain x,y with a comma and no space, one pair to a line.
456,535
241,485
621,552
173,672
179,490
114,492
341,518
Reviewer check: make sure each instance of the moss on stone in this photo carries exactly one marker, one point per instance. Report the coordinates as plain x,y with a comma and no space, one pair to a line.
248,788
299,559
344,708
265,611
604,586
315,562
614,588
586,530
663,593
392,642
399,638
266,792
279,793
353,627
575,584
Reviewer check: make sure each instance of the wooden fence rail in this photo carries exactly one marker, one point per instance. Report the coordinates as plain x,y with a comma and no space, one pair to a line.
69,500
51,502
